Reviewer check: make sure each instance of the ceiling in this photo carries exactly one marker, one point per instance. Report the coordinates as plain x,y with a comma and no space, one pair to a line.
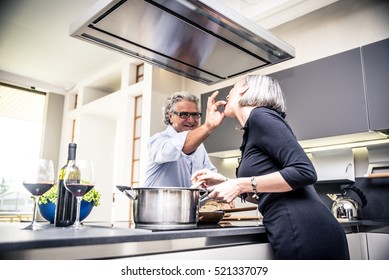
37,51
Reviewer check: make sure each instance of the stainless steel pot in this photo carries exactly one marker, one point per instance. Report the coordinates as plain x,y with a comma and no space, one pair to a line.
164,207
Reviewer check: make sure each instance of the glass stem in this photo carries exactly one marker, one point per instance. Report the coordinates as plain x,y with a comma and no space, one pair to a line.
77,222
35,209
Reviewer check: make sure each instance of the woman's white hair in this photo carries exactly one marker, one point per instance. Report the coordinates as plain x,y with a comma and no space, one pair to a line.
263,91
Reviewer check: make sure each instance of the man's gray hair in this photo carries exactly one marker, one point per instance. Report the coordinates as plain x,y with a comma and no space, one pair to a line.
263,91
173,99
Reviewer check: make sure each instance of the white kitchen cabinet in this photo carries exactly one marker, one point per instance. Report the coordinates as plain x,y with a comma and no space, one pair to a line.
261,251
334,165
378,246
368,246
357,246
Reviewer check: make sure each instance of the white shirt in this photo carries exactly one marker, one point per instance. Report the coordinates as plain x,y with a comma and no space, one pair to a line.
168,165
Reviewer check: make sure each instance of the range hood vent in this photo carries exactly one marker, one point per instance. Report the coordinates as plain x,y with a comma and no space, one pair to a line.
203,40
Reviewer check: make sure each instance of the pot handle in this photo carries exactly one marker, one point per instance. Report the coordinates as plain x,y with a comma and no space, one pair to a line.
204,197
127,191
357,191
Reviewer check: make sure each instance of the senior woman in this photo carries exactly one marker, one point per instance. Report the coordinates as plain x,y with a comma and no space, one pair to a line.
275,173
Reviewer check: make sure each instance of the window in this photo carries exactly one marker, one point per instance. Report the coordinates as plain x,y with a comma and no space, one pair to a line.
21,121
139,72
136,141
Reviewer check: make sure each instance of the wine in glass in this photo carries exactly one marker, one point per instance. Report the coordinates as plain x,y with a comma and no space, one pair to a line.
79,180
38,179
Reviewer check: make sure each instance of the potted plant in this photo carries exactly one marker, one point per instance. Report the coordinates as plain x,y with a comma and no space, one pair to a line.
47,203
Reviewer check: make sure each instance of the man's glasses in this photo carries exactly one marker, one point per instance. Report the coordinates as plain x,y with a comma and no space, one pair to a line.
187,115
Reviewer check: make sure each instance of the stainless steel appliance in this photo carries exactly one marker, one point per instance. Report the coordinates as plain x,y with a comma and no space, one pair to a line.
203,40
345,207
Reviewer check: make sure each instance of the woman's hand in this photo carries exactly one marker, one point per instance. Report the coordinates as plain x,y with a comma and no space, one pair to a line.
220,188
209,177
226,191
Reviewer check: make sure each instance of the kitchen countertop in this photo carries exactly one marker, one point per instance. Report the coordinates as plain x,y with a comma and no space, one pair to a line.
101,241
377,226
57,242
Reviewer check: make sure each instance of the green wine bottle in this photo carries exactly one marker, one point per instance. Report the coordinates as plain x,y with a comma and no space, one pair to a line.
66,208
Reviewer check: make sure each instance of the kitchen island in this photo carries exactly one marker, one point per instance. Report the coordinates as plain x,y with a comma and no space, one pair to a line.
237,240
107,242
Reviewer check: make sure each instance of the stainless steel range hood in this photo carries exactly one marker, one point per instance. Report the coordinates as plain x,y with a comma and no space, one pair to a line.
202,40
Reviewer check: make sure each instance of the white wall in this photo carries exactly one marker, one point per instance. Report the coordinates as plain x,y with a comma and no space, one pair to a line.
98,148
52,127
164,84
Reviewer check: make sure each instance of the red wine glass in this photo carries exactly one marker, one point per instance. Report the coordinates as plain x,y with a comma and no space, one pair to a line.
38,179
79,180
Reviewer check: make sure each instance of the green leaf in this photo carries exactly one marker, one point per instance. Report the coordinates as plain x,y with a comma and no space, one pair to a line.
51,196
92,196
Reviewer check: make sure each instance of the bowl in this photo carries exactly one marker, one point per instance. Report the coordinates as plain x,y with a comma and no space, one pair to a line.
211,217
47,210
